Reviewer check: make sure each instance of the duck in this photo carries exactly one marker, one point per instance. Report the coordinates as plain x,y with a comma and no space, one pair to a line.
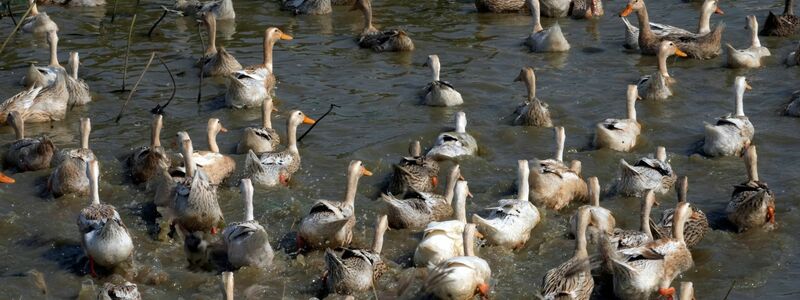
696,226
461,277
247,242
76,87
124,291
793,107
307,7
391,40
44,76
329,224
752,203
574,276
145,162
732,133
357,269
421,208
640,271
602,221
501,6
6,179
709,7
628,238
620,134
454,144
438,92
750,57
510,221
342,2
545,40
687,290
442,240
69,175
784,25
216,61
414,174
215,165
249,86
553,184
586,9
532,112
555,8
39,104
222,9
649,173
274,168
38,22
195,204
260,139
657,87
27,154
104,237
699,46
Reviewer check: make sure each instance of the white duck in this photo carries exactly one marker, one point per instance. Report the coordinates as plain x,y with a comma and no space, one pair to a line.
450,145
602,220
247,242
275,168
78,89
438,92
461,277
38,22
657,86
443,240
69,175
750,57
510,222
545,40
46,75
649,173
708,8
732,133
260,139
620,134
248,87
215,165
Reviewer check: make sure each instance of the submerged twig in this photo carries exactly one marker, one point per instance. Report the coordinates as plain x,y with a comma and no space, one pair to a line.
11,12
318,120
16,28
114,11
161,18
127,52
200,86
133,90
159,110
733,283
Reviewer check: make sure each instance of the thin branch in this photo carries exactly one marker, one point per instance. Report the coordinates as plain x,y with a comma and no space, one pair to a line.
159,110
127,53
150,32
114,12
11,12
133,90
318,120
16,28
200,86
733,283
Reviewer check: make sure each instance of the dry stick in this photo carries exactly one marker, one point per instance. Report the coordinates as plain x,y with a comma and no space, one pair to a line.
159,110
124,105
16,28
127,52
203,44
11,12
729,290
318,120
150,33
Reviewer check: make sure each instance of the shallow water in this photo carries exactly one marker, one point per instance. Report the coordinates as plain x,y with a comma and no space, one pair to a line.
481,54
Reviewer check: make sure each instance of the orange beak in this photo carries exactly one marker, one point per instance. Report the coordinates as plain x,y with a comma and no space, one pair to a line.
274,109
627,11
461,177
309,121
680,53
719,11
286,37
770,214
365,172
434,181
667,292
222,129
483,290
469,194
6,179
747,86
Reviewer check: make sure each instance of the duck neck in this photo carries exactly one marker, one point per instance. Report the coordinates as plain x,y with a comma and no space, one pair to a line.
266,113
644,22
451,187
85,130
535,13
560,144
460,208
632,108
580,241
740,102
678,223
469,240
352,187
291,134
755,42
788,8
155,134
34,9
212,140
662,64
644,226
435,67
53,40
248,203
530,83
74,62
212,36
188,161
94,183
523,188
268,43
19,128
751,161
704,25
380,230
367,11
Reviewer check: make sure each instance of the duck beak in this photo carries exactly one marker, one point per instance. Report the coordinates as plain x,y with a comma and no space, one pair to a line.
309,121
770,214
627,11
747,86
461,178
667,292
222,129
286,37
469,195
365,172
6,179
434,181
719,11
274,109
483,290
680,53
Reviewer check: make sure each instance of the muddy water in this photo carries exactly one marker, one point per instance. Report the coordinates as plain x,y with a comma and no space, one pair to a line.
481,55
